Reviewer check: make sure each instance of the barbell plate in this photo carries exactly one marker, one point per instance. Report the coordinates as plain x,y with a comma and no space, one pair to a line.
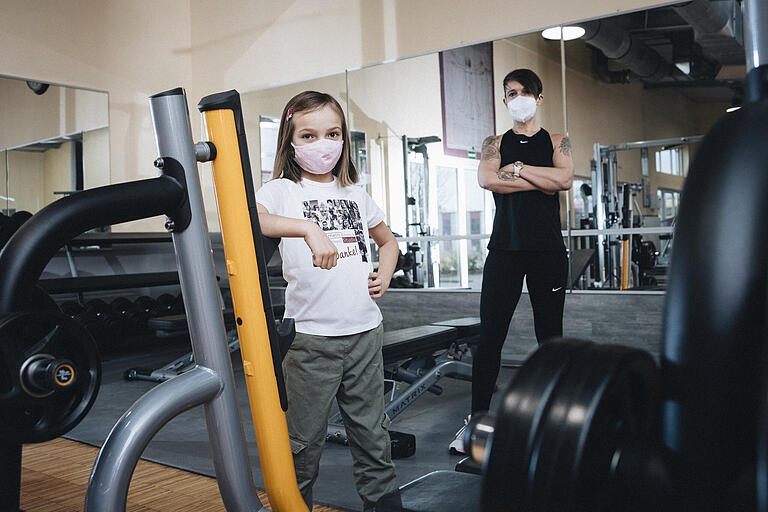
23,335
607,399
518,420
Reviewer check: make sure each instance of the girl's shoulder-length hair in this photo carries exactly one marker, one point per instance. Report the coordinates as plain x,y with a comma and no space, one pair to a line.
285,163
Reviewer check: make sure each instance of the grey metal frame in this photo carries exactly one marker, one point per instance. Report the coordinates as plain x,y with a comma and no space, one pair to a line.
401,400
755,38
599,171
211,382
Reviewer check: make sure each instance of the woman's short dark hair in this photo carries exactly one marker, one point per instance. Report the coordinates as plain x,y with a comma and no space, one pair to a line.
528,79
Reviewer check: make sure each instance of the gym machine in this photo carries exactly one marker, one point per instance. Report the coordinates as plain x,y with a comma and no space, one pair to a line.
416,182
613,208
597,427
51,370
260,344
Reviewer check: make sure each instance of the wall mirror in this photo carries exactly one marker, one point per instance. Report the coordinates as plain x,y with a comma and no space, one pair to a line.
633,92
53,140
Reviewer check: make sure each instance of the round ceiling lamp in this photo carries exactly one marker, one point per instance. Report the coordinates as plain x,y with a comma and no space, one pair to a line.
569,33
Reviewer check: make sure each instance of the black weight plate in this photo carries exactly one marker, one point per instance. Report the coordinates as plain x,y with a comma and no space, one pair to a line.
762,440
607,399
32,419
518,420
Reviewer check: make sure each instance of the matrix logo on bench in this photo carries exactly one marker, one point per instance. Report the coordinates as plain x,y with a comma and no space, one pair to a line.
411,394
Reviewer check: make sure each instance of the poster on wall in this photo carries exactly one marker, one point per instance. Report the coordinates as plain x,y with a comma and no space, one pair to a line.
466,87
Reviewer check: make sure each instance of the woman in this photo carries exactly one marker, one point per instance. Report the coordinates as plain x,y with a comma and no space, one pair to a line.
525,168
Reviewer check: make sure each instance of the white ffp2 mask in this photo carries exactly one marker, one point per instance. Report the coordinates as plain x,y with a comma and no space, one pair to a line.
522,108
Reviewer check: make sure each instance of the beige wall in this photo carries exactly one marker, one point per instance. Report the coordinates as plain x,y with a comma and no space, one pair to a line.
130,49
135,49
26,171
57,172
96,158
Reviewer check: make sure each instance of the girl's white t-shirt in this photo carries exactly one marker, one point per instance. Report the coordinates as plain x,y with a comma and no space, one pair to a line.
331,302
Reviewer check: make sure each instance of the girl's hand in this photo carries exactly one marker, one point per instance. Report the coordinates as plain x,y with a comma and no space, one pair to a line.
324,252
376,285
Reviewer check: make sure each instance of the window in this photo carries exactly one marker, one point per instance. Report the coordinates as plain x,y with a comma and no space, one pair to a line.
669,202
670,161
268,128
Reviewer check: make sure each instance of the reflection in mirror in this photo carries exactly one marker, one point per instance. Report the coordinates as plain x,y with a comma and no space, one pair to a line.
642,88
426,118
53,140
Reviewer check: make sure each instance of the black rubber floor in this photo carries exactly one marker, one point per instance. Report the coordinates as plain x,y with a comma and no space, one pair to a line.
432,419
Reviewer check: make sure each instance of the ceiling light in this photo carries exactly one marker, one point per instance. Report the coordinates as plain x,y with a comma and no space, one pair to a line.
732,109
569,33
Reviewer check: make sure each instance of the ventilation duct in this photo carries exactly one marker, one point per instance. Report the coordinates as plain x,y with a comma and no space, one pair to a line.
717,26
617,44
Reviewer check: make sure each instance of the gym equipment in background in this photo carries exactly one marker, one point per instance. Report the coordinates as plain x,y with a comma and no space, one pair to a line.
590,427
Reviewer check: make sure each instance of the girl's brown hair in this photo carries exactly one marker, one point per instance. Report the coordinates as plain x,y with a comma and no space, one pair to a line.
285,164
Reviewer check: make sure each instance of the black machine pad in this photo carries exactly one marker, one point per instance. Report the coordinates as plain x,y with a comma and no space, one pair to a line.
416,342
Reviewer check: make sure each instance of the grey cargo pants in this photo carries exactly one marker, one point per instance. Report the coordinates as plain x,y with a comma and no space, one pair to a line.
350,369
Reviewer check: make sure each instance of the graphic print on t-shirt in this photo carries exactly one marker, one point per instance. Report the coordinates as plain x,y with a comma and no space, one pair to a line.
340,219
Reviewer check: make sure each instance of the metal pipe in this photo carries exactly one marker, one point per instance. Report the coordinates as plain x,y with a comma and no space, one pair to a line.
691,139
111,476
201,302
755,38
599,206
704,16
616,43
405,184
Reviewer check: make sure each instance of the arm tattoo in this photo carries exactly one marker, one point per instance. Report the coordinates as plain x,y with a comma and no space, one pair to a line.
565,146
489,151
505,175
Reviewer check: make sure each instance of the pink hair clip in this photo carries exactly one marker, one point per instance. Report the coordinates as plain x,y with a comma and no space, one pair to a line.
289,114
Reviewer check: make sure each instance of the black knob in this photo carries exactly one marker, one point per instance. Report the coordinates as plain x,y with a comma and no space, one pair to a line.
46,374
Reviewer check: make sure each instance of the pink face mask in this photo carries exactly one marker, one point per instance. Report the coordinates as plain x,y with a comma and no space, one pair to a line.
320,156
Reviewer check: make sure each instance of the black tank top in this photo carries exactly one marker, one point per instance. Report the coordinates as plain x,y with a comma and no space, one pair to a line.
530,220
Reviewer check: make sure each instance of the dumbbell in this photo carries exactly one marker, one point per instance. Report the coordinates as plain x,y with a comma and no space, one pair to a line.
125,317
72,308
577,430
148,305
178,305
165,303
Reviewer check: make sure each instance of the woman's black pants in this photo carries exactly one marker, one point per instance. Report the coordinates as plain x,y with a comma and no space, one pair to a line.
546,273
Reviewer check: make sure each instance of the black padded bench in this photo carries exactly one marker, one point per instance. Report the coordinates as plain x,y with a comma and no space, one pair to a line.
412,342
467,329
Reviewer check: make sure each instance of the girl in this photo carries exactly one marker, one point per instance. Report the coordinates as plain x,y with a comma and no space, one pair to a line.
325,221
525,168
